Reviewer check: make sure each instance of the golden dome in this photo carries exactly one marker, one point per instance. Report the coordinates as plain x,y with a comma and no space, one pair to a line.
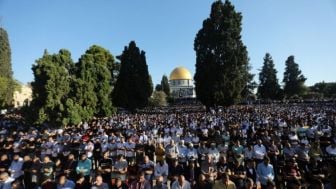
180,73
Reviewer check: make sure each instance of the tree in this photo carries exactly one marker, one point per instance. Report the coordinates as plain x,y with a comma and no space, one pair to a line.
165,85
51,87
327,90
248,90
293,79
221,57
93,83
4,84
6,74
66,93
134,84
269,87
158,87
159,98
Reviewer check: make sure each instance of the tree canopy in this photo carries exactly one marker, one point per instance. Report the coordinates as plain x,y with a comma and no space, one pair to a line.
94,81
269,87
326,89
51,87
68,93
293,79
158,99
134,84
7,83
165,85
222,69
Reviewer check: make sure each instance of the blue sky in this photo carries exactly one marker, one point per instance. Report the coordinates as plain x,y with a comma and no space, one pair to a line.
166,31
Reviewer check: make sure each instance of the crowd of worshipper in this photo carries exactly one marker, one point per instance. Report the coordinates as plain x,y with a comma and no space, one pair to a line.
252,146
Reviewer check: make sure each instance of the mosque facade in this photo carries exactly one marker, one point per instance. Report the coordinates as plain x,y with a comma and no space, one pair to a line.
181,83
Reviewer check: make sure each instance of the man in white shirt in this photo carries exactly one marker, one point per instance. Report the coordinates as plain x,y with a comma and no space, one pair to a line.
192,152
166,139
6,181
259,150
181,183
89,147
205,131
143,138
331,149
202,151
171,152
182,153
179,131
213,151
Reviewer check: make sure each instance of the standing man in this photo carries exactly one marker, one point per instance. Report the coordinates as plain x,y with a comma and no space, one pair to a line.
99,184
265,172
119,170
65,183
130,151
225,183
140,182
181,183
171,152
84,167
159,183
259,151
148,168
161,170
105,167
16,167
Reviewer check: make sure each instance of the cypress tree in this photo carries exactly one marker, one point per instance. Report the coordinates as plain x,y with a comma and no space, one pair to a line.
269,87
134,84
165,85
51,87
221,57
293,79
6,74
93,82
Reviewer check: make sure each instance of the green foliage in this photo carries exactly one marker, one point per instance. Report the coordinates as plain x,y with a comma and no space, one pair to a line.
51,87
5,55
66,93
115,72
326,90
7,84
73,114
94,78
248,90
134,84
4,85
17,85
158,99
269,87
158,87
293,79
221,57
165,85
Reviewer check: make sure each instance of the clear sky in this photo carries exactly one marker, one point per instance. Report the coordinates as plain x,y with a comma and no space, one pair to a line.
165,30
